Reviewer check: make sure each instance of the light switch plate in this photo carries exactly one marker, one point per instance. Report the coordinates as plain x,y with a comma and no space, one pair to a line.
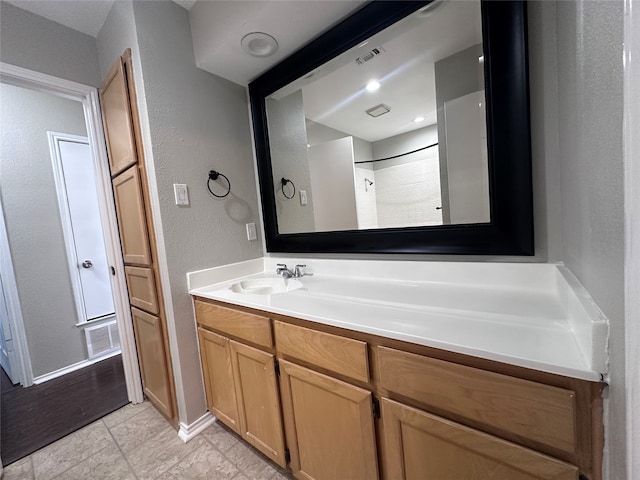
303,197
181,193
251,231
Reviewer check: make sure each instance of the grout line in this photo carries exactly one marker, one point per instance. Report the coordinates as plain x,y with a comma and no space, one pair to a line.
183,456
128,418
78,463
120,450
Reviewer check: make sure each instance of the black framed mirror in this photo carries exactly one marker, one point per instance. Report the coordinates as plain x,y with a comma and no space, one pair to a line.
467,65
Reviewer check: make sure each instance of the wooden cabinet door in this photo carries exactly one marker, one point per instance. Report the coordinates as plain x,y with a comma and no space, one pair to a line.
215,352
258,400
142,289
153,360
418,446
117,120
329,426
134,236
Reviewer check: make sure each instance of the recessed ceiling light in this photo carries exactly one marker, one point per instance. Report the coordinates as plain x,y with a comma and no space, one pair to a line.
418,119
259,44
373,85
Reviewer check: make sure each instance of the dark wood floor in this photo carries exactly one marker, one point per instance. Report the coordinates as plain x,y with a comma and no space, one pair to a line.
31,418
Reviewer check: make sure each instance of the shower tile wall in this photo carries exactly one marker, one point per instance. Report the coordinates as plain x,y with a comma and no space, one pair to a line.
408,194
366,208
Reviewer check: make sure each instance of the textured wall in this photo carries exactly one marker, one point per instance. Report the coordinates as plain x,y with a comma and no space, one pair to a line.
33,223
116,35
407,188
33,42
590,81
290,160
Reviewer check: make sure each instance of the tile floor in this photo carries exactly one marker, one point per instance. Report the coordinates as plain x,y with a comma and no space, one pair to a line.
136,442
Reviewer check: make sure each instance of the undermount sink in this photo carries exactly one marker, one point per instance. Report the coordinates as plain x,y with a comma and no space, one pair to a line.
266,286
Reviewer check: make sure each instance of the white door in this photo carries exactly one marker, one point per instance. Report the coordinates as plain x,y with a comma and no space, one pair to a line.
8,358
77,193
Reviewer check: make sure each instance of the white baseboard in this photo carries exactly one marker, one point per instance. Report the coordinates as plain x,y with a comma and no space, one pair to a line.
187,432
72,368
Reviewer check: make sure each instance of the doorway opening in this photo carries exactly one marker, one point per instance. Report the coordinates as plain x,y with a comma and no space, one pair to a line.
63,299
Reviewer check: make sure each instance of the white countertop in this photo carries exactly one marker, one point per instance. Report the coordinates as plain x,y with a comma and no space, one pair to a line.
531,315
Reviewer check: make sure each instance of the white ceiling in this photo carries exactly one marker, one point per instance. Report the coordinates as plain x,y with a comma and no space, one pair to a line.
86,16
218,26
336,96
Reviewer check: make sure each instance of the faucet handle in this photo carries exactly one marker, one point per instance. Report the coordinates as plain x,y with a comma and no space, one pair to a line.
282,269
299,273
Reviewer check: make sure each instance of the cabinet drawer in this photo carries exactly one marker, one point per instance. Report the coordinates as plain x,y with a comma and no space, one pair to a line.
532,410
246,326
338,354
142,288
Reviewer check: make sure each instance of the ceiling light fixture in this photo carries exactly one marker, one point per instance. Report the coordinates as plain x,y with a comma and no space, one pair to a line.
373,85
418,119
378,110
259,44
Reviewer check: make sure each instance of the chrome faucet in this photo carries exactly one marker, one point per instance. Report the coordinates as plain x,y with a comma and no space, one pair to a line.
297,272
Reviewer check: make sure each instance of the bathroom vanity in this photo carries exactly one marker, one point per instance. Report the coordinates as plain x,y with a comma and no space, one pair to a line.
423,372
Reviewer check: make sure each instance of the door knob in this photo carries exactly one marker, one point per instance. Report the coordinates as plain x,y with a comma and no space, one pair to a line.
87,264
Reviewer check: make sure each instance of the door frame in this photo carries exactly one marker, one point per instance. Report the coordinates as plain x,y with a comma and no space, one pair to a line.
23,372
88,96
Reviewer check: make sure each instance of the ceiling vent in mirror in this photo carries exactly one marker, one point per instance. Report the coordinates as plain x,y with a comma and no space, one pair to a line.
370,55
378,110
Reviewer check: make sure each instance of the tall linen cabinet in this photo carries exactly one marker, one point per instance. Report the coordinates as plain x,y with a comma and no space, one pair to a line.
135,224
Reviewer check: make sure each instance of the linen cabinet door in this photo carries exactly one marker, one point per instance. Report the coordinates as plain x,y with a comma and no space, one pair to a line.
215,352
153,360
417,446
258,400
127,191
329,426
115,105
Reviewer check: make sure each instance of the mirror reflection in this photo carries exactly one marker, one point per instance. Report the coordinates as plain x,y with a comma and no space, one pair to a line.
391,133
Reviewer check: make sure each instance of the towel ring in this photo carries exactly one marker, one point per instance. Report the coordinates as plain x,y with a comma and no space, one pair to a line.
283,182
213,175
